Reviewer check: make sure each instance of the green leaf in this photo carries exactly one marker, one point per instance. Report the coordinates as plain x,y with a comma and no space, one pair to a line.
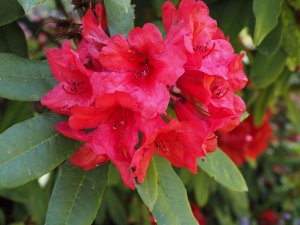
2,217
266,15
267,97
15,112
172,206
239,202
23,79
12,40
266,69
261,104
101,214
244,116
292,112
148,189
31,149
219,166
291,36
115,208
29,4
77,195
202,187
223,215
120,16
10,11
229,16
32,196
272,42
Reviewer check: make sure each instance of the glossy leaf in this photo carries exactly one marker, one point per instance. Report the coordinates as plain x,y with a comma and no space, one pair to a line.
77,195
12,40
23,79
273,41
266,17
229,16
101,214
120,16
148,189
10,11
172,206
31,149
202,187
15,112
266,69
219,166
29,4
115,208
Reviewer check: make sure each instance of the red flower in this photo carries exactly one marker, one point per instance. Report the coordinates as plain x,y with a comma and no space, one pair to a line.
179,142
246,140
213,72
143,65
215,96
116,124
186,111
198,215
74,87
206,48
94,36
269,217
117,89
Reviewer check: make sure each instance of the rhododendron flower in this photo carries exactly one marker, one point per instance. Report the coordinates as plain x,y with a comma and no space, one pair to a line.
179,142
269,217
143,65
114,120
198,215
94,36
74,87
214,95
246,141
116,91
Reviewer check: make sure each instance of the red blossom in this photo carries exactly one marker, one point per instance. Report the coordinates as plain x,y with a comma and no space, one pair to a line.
94,36
74,87
116,90
246,141
269,217
198,215
143,65
179,142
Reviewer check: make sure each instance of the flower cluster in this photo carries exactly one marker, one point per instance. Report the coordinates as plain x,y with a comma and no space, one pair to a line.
129,98
247,141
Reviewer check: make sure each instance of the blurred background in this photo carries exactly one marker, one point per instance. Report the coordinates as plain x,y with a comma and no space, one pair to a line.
266,146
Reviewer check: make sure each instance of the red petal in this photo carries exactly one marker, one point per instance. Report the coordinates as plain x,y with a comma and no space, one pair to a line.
66,130
169,14
87,159
147,39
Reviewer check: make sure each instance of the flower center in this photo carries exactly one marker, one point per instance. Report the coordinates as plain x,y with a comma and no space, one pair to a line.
76,88
144,72
118,118
204,50
161,145
219,89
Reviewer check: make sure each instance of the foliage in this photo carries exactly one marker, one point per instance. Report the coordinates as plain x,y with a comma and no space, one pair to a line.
37,186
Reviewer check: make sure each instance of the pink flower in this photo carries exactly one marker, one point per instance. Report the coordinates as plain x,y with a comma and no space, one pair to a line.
143,66
74,87
179,142
246,140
